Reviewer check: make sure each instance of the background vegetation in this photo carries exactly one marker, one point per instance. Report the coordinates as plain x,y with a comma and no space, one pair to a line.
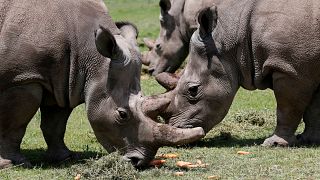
250,120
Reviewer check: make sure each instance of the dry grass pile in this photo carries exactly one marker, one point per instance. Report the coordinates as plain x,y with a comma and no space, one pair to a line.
111,166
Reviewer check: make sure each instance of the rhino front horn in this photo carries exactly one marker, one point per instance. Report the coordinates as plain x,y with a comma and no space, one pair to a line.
144,59
167,135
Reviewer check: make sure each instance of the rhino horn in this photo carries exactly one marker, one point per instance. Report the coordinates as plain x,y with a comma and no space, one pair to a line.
145,59
166,135
155,105
149,42
168,80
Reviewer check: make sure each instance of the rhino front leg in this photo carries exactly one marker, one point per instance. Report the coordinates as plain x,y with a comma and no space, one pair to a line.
311,118
53,125
292,96
17,107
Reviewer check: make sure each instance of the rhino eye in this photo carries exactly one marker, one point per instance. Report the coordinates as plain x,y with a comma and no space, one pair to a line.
193,90
122,115
158,46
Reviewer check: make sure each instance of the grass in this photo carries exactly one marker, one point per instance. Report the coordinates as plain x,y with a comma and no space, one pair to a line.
250,120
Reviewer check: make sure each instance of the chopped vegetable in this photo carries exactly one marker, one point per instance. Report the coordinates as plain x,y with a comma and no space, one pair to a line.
183,164
78,177
168,156
157,162
243,152
213,177
178,173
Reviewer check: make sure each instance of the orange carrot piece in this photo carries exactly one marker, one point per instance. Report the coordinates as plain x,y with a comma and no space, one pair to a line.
157,162
243,152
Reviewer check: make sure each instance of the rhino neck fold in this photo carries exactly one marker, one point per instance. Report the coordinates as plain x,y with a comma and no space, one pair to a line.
86,63
233,36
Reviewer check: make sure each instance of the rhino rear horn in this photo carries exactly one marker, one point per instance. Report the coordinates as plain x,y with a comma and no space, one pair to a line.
168,80
207,20
154,105
105,42
149,43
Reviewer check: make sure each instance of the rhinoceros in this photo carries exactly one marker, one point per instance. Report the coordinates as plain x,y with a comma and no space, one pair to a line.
58,54
177,23
254,44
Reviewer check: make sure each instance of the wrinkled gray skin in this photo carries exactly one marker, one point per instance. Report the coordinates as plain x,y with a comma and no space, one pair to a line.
55,56
177,24
256,44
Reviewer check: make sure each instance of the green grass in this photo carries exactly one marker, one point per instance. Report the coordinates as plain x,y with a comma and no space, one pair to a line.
239,131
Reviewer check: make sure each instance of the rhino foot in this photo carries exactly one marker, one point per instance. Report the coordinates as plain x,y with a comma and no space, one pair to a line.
19,161
61,156
307,139
279,141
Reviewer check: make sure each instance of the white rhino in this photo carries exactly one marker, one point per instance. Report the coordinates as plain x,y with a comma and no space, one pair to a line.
58,54
255,44
178,21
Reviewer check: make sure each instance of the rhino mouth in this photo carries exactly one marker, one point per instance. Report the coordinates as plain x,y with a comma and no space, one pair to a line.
140,159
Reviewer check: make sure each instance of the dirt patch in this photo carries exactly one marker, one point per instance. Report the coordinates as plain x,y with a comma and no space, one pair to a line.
255,118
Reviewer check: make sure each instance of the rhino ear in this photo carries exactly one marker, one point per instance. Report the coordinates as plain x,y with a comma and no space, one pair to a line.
207,20
128,30
105,42
165,5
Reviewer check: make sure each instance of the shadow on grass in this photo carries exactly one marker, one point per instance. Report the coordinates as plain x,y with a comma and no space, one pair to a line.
37,158
225,140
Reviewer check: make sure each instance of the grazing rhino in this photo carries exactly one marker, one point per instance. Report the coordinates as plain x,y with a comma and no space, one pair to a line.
177,24
58,54
256,44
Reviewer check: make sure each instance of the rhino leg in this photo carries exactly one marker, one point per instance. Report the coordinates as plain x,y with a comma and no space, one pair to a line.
17,107
293,97
311,118
53,125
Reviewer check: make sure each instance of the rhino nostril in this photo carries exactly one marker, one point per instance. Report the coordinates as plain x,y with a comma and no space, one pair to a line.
134,161
150,71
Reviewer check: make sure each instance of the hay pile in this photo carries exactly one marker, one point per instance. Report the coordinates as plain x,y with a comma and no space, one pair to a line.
111,166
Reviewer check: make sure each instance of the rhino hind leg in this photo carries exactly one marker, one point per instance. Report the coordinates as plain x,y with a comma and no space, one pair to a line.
53,125
17,107
291,105
311,118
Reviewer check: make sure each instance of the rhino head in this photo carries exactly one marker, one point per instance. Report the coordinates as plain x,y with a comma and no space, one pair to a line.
171,47
205,91
117,114
178,21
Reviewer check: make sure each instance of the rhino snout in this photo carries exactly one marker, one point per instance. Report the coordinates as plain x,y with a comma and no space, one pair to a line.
138,160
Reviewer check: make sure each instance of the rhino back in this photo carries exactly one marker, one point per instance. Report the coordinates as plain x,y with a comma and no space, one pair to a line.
269,36
286,38
45,42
